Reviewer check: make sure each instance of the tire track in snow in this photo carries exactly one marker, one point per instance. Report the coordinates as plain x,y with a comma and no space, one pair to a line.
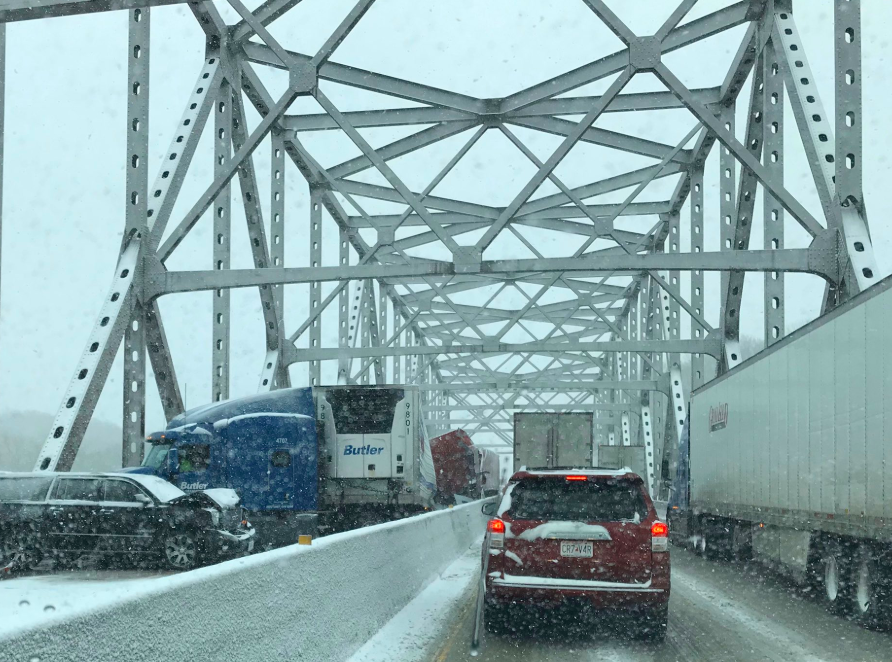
784,642
620,654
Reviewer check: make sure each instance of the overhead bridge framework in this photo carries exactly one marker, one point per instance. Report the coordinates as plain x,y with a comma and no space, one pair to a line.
582,295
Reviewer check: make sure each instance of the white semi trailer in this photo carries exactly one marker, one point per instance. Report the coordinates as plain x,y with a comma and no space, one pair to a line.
376,449
790,459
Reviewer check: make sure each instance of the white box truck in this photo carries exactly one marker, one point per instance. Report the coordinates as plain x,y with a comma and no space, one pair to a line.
620,457
788,458
549,440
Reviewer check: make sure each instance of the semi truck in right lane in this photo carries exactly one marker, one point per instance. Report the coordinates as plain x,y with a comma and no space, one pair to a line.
787,458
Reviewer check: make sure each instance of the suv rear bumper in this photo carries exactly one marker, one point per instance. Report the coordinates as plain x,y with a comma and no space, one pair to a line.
504,589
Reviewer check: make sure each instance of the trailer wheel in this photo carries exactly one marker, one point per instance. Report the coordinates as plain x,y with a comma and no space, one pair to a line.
835,580
719,541
741,544
866,591
700,545
705,543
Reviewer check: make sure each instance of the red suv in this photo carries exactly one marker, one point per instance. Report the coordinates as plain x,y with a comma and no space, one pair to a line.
588,536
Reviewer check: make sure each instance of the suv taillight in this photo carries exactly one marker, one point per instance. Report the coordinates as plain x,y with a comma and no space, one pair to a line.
496,529
659,537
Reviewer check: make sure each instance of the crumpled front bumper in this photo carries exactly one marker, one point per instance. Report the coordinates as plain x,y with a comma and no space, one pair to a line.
230,543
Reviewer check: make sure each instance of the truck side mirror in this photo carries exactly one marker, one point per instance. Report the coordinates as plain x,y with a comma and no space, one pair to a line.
489,509
173,461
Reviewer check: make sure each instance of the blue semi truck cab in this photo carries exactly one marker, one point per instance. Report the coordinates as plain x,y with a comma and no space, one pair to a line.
304,460
265,447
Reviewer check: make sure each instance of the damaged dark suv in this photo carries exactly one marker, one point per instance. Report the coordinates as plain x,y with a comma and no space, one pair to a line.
66,516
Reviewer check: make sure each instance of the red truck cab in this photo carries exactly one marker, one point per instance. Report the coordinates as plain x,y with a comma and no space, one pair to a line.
577,536
455,465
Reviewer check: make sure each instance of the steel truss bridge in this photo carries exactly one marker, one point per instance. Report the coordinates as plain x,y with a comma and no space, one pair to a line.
599,323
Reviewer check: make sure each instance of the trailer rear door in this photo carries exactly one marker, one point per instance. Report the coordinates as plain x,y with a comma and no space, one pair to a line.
548,440
572,434
532,433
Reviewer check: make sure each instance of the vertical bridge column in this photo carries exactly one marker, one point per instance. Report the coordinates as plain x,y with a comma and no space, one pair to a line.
277,246
634,360
365,324
315,367
670,310
649,400
646,430
697,360
727,178
773,214
849,194
343,308
382,328
397,342
137,185
222,243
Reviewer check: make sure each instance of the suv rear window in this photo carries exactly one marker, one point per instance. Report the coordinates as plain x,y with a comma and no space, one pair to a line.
24,489
610,500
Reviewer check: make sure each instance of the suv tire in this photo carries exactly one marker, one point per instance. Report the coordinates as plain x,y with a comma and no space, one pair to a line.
494,619
654,623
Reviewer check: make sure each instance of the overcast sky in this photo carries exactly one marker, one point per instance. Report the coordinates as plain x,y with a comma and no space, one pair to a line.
65,149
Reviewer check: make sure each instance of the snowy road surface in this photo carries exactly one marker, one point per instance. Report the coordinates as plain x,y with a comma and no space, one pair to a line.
718,612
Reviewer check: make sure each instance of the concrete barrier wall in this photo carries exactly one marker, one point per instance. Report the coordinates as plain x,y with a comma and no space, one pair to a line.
320,602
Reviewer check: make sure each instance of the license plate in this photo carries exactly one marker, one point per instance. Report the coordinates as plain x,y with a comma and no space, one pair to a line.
578,549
